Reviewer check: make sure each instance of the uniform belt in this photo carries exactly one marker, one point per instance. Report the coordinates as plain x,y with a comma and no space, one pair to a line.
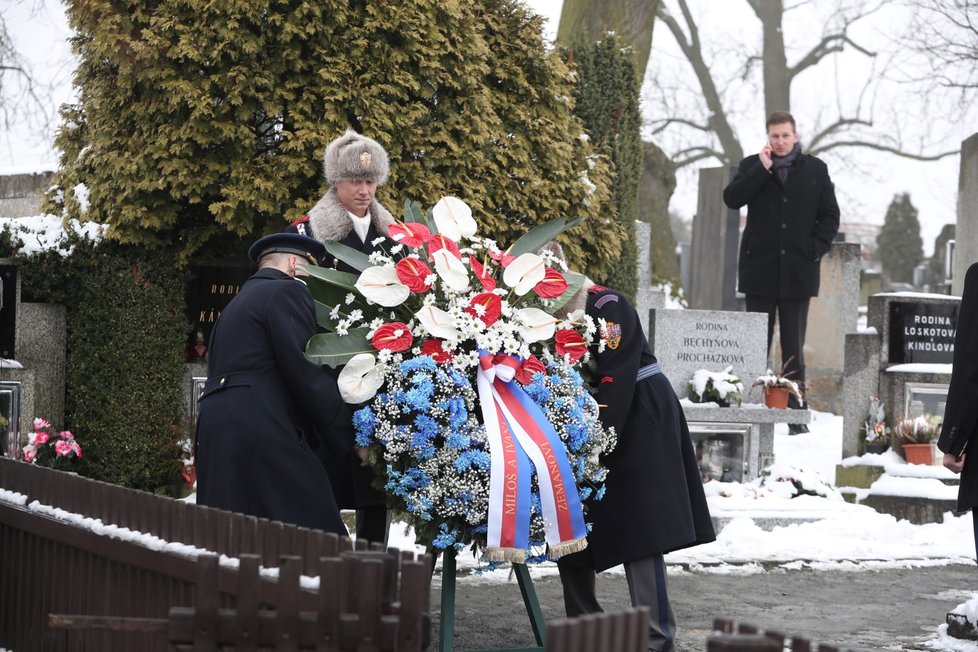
648,371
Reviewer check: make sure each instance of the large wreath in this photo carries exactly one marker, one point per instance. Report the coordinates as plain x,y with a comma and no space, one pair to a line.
457,366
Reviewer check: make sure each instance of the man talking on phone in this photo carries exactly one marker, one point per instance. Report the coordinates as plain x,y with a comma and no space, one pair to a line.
792,219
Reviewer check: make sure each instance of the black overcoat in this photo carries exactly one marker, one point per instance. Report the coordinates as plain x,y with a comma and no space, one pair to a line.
960,426
654,500
252,450
789,227
352,482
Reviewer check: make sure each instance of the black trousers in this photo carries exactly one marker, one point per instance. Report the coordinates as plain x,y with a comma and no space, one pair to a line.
374,524
792,314
646,580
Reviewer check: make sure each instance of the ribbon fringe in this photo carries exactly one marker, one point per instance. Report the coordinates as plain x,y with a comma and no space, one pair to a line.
514,555
556,551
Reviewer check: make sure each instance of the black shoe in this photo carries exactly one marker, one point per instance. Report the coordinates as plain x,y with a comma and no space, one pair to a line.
797,428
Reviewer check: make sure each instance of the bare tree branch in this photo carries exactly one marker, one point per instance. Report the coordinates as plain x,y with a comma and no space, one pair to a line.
883,148
838,125
693,51
660,125
828,45
693,154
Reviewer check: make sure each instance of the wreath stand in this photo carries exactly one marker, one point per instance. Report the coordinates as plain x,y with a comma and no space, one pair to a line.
446,631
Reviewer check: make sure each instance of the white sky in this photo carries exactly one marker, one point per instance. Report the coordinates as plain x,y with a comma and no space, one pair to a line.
866,182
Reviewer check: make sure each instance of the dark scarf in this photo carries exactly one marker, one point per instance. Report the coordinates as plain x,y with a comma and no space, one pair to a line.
782,164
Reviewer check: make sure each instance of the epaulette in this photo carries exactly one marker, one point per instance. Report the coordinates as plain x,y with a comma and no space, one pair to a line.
595,289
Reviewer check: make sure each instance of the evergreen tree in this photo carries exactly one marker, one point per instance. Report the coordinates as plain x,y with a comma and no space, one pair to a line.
607,103
899,246
198,122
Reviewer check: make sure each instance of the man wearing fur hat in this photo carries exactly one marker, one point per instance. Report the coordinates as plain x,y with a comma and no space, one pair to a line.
350,214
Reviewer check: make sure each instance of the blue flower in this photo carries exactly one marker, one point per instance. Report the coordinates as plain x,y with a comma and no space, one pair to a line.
364,421
472,458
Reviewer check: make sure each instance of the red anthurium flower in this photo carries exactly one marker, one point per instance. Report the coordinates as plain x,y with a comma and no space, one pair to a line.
441,242
393,337
433,348
411,234
529,367
552,286
488,282
502,257
412,273
571,343
488,304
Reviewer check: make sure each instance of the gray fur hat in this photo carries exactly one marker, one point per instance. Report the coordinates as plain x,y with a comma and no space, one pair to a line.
353,157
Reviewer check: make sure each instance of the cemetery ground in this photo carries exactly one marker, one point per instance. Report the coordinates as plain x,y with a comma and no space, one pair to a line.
892,609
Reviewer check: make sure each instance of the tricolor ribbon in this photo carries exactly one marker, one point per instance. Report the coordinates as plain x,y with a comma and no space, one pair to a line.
521,440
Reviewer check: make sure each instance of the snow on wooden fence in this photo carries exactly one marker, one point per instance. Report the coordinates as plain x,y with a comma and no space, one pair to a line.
117,569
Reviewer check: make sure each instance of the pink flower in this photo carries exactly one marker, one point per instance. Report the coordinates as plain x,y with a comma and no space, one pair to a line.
62,448
40,424
30,454
66,434
76,449
41,438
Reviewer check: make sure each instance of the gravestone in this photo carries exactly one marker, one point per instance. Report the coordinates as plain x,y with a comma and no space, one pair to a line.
646,297
966,230
831,316
904,357
732,443
716,236
210,289
20,194
687,340
32,384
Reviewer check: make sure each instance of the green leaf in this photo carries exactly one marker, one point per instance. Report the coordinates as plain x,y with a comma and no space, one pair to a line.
575,282
325,275
323,316
336,350
532,240
355,259
413,212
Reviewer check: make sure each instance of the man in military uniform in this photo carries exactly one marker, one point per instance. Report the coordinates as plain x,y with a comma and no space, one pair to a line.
252,450
654,501
349,213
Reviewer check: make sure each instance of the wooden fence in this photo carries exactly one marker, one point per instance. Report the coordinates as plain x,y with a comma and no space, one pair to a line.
118,567
625,631
747,638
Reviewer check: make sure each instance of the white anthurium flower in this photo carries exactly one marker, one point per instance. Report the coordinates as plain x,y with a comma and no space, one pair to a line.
360,378
451,270
437,322
524,273
453,218
381,286
536,324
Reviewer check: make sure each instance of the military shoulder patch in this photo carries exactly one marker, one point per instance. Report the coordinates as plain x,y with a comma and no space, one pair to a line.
612,334
608,298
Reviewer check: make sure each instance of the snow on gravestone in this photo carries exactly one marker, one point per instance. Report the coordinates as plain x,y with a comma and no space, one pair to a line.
687,340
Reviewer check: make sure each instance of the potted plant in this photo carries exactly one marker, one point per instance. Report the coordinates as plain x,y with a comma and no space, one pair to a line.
915,435
720,387
876,434
776,388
